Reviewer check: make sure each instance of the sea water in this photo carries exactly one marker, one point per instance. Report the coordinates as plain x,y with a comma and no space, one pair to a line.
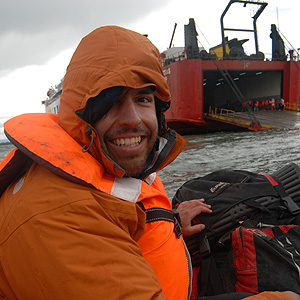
262,152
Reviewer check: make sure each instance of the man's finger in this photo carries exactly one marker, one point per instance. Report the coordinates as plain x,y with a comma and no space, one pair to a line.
192,229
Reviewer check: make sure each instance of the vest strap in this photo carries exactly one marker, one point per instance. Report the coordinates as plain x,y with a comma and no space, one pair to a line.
160,214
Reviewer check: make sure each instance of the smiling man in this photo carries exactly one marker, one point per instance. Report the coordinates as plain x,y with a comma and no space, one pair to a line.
83,214
79,187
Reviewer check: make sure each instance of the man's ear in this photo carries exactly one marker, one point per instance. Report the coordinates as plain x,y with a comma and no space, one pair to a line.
161,107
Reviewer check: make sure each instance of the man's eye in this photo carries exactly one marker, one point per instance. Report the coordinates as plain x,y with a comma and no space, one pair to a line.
144,99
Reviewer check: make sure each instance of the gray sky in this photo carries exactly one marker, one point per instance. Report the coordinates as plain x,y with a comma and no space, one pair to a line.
33,31
38,37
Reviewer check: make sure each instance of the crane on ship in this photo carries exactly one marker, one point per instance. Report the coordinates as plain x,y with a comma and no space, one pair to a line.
262,5
192,52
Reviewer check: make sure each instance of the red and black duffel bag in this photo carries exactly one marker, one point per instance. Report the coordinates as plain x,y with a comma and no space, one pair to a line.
251,240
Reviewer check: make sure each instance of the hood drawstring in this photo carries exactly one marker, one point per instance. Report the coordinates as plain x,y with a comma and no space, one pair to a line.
89,132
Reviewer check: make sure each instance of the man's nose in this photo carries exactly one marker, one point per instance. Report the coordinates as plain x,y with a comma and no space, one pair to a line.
129,116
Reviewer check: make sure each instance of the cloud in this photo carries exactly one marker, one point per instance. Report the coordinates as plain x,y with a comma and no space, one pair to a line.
33,31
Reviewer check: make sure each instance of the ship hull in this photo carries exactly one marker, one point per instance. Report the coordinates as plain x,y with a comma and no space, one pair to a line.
197,87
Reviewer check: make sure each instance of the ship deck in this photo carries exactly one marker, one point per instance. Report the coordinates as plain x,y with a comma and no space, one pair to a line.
267,119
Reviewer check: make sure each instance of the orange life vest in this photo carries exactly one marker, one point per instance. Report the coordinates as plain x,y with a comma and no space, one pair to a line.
161,245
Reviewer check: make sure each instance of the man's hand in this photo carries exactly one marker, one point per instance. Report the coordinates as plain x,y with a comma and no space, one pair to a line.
188,210
274,295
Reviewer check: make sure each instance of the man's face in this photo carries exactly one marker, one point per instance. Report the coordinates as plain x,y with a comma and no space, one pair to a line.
127,133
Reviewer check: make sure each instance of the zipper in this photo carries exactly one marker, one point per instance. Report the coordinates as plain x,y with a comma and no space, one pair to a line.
190,269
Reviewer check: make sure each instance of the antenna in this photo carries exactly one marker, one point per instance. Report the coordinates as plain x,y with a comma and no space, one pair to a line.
173,35
277,17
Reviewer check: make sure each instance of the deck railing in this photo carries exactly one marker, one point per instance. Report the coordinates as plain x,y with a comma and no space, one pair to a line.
230,116
222,113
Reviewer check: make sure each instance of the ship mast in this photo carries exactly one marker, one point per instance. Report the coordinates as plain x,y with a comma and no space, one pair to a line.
255,17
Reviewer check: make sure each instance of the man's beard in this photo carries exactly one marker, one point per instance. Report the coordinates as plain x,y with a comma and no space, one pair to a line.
132,165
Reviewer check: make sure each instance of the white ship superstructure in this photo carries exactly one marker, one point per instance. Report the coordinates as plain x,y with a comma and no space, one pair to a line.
53,98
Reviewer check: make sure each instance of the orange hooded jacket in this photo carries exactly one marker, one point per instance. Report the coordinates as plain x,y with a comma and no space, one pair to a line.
70,225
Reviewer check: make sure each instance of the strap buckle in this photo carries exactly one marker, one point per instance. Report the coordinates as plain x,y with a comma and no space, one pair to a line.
291,205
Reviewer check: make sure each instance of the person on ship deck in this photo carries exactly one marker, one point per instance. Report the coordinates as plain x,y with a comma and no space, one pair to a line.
256,105
281,105
83,213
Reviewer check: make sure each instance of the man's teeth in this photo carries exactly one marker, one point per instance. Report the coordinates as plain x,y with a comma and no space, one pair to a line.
128,142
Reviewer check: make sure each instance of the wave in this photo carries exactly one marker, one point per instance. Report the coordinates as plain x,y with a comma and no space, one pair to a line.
4,141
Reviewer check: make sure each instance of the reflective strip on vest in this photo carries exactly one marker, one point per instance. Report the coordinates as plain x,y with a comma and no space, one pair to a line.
150,179
128,189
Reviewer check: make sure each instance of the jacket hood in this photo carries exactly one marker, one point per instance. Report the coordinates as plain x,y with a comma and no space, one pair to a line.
109,57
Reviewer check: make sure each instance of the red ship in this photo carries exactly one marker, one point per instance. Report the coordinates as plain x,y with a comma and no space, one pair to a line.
225,89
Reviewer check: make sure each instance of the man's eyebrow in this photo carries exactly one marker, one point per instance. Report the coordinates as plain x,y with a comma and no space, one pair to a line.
146,90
